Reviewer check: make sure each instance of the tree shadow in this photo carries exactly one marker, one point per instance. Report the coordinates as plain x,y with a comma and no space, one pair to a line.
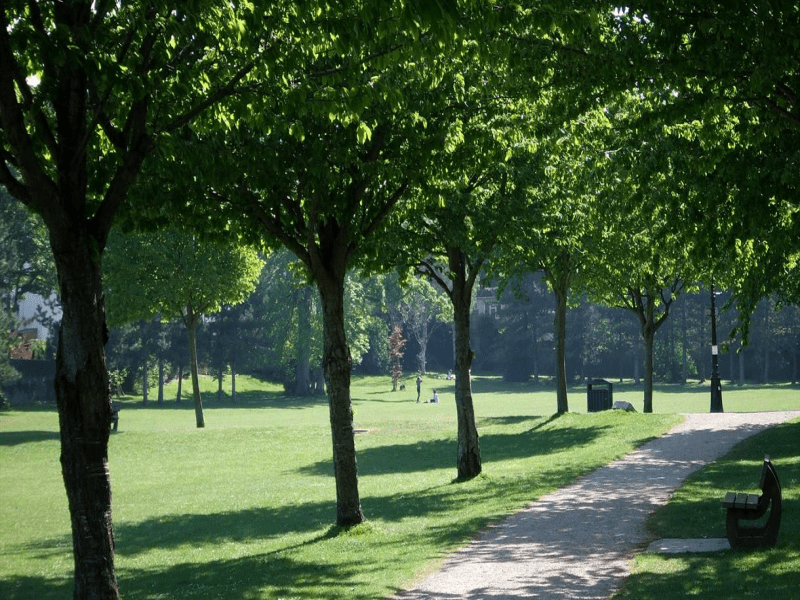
439,454
20,587
507,420
15,438
246,399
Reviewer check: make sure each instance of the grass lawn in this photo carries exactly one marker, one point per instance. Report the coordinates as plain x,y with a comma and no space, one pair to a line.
695,510
244,508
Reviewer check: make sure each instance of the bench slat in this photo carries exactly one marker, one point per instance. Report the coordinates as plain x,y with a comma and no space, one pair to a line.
730,500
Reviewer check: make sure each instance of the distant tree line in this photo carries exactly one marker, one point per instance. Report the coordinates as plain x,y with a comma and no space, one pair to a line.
512,336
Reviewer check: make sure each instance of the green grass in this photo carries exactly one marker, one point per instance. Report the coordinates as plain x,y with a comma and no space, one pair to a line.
244,508
695,510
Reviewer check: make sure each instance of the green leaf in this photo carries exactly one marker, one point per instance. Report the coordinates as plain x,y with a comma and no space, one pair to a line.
364,133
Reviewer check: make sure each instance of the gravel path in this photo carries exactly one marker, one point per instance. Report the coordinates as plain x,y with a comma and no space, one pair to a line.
578,542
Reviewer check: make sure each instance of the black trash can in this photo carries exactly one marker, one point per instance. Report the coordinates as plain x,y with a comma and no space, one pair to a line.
599,395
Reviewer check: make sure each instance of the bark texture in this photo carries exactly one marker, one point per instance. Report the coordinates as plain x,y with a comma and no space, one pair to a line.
328,262
84,410
468,457
561,354
338,364
191,320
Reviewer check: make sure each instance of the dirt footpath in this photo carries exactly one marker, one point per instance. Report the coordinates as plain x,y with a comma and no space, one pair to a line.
579,541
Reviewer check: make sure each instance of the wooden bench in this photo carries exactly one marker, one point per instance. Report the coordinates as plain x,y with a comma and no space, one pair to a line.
115,406
750,507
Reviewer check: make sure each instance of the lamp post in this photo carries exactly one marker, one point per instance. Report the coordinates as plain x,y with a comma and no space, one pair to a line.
716,387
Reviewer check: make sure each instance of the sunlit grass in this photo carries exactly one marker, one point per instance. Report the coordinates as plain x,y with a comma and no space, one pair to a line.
695,511
245,507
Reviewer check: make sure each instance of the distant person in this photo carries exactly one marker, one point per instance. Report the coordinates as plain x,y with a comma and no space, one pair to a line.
435,399
419,386
449,374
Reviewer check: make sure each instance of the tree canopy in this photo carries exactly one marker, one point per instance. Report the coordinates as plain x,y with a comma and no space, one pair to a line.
323,128
179,275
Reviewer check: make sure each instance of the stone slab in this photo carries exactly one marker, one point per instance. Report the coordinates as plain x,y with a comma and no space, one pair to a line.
681,546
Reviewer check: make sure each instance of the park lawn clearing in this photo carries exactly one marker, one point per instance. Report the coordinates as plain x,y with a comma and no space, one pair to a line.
695,510
245,507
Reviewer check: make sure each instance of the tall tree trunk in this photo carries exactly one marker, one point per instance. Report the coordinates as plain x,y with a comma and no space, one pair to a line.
161,380
535,336
560,323
319,379
145,383
233,380
741,367
84,410
649,338
180,384
468,457
338,364
302,386
731,364
684,345
191,326
643,303
422,357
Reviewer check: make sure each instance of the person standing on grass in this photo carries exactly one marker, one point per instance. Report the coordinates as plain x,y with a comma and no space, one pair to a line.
419,386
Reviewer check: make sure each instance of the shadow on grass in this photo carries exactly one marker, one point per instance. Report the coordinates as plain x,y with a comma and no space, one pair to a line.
283,571
199,530
440,453
41,588
15,438
509,420
248,399
252,576
695,510
767,574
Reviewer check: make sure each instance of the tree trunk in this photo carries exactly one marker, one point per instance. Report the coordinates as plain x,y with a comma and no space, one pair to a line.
180,384
468,457
535,336
741,367
84,410
220,375
303,386
319,378
560,323
338,364
422,338
191,327
731,364
160,380
684,345
233,380
649,337
145,383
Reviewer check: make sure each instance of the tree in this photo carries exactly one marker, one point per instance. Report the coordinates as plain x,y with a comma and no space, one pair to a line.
7,372
316,162
26,263
561,181
417,304
87,91
638,264
180,276
727,121
396,343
